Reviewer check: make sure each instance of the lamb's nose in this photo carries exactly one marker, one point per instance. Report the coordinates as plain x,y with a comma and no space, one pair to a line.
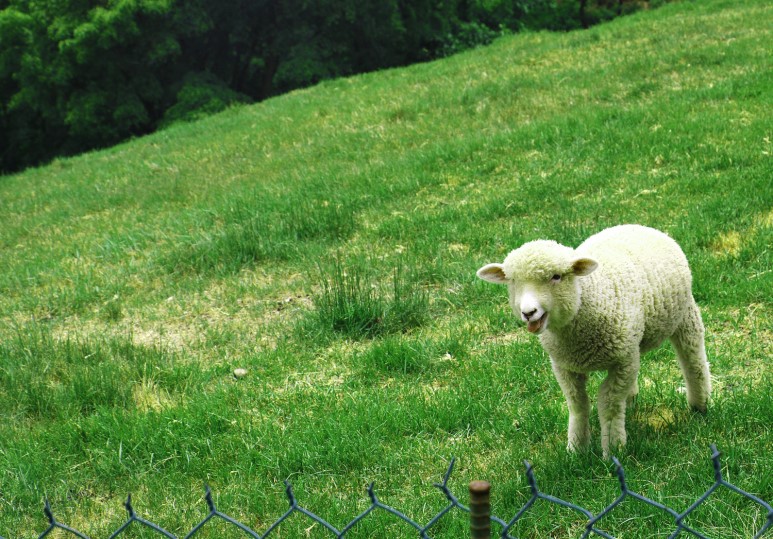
529,314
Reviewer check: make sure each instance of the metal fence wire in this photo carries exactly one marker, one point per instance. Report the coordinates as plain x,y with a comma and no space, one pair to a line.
480,517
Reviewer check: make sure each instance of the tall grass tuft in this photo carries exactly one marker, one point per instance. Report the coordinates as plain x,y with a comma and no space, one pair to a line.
352,304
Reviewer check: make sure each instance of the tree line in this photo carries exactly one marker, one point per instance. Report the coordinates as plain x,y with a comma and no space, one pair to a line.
82,74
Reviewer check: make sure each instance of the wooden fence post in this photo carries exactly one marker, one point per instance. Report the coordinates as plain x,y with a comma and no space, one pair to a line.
480,510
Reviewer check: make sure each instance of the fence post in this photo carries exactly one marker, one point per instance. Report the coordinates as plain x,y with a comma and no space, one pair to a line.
480,510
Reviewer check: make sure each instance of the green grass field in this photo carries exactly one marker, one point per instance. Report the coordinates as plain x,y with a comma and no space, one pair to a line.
326,241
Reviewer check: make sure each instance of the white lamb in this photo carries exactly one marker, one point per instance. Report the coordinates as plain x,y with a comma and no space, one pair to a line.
599,307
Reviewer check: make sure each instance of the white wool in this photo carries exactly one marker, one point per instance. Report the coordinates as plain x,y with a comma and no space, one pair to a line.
599,307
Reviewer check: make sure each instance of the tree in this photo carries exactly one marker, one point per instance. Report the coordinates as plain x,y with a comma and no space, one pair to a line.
83,74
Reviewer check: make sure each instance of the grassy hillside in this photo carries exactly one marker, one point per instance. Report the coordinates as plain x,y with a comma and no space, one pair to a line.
326,241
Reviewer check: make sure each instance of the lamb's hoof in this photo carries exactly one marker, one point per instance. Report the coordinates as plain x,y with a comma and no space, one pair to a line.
579,441
574,449
616,451
699,408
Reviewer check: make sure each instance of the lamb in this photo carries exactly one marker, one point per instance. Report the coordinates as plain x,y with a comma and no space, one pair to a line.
621,293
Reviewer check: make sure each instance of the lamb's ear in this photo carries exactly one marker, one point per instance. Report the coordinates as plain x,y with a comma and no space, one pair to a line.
584,266
493,273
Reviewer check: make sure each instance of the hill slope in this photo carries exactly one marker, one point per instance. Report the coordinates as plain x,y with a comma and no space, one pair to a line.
134,280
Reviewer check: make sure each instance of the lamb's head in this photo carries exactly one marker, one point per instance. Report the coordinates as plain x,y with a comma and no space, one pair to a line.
542,279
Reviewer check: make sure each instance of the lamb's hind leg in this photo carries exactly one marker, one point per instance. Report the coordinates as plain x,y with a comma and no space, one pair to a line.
690,349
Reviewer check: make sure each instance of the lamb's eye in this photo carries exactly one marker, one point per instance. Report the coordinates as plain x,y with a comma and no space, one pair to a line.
555,278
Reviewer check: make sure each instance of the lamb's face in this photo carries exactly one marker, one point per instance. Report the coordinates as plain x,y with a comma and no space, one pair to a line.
541,277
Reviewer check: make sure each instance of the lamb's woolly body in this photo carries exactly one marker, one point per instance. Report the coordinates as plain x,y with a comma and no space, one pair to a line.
605,319
636,299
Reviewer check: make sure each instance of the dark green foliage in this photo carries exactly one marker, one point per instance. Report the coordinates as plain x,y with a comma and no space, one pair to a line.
81,75
84,76
201,94
467,36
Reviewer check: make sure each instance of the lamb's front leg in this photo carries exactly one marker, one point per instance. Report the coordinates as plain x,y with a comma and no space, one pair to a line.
613,393
573,385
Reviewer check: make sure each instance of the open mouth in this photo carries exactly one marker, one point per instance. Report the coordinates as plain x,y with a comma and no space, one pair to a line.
536,326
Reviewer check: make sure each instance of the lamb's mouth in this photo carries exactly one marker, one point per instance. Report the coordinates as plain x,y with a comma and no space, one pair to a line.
536,326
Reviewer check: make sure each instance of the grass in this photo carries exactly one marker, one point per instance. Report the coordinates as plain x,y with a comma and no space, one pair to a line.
348,303
326,242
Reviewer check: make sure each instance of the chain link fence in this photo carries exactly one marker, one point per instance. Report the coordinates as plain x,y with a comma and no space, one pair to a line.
482,523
